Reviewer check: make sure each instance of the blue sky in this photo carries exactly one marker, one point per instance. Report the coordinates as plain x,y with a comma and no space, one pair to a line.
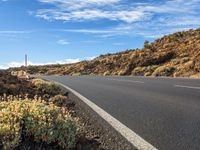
64,31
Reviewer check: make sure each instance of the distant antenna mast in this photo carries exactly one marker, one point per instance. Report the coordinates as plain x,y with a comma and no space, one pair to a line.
26,60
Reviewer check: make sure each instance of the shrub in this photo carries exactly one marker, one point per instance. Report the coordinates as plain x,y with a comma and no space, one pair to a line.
76,74
146,71
121,73
164,71
107,73
147,74
146,44
59,100
45,123
62,101
139,71
46,87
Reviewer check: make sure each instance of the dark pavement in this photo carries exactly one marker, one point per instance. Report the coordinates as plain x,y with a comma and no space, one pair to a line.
163,111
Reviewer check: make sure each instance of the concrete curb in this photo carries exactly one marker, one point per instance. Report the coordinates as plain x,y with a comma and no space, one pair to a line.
127,133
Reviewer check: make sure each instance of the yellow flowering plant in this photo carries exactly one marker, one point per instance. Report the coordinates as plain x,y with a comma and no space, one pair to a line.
44,122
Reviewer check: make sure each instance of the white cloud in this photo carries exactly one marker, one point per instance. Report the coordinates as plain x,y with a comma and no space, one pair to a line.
106,32
63,42
12,64
14,33
80,10
90,58
77,4
65,61
92,14
105,9
147,19
93,31
148,31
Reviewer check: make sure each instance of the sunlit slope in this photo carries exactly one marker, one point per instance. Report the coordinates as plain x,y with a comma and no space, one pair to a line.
173,55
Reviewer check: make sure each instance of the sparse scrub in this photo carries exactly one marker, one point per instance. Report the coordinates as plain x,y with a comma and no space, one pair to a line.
61,101
76,74
146,71
149,46
45,123
46,87
147,74
121,72
139,71
164,71
106,73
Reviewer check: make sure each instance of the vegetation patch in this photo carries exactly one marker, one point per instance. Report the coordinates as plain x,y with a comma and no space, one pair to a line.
52,122
35,118
46,87
61,101
163,71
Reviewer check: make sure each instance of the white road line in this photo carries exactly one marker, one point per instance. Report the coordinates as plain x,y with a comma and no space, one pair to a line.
133,81
127,133
189,87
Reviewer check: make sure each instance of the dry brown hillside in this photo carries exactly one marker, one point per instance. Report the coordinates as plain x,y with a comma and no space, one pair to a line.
173,55
12,85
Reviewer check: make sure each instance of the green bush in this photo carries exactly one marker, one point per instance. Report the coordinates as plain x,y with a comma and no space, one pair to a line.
46,123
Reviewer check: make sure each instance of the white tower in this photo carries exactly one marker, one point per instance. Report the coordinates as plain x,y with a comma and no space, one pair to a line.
26,60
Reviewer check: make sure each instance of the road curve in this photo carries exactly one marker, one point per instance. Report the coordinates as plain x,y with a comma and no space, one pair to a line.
163,111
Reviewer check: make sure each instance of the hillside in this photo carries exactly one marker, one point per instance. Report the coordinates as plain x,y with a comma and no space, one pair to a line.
175,55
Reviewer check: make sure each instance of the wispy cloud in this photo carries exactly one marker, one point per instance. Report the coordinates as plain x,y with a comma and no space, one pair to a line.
13,33
93,31
106,32
80,10
148,19
78,4
149,31
127,12
89,14
63,42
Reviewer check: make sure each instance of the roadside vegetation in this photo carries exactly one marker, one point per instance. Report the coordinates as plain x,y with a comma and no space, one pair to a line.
46,87
38,120
38,114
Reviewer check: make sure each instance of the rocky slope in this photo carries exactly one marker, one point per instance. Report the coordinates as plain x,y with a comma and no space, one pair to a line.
175,55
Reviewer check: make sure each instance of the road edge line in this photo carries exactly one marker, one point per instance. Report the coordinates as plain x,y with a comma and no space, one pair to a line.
127,133
186,86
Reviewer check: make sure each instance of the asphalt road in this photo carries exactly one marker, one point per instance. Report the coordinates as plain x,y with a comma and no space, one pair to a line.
163,111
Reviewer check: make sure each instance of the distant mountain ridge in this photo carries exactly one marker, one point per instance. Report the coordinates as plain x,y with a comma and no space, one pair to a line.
175,55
